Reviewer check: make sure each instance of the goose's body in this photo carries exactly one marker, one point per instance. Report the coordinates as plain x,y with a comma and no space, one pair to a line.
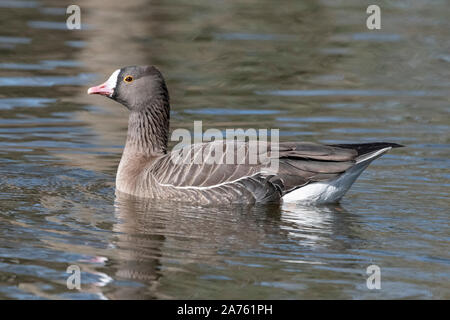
304,172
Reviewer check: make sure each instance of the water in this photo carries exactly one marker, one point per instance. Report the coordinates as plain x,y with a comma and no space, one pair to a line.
309,68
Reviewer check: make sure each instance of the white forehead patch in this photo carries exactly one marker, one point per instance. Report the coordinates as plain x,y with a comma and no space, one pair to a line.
112,80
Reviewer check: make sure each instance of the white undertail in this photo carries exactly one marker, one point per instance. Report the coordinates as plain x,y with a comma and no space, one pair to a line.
333,190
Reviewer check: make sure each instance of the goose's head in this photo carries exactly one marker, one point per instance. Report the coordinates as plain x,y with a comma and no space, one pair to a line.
135,87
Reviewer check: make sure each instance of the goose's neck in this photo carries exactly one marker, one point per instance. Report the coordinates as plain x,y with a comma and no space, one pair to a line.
148,130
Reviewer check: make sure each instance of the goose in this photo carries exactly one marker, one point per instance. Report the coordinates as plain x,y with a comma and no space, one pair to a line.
306,173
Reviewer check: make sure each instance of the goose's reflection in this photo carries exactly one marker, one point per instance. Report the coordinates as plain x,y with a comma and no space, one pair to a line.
155,239
138,245
315,225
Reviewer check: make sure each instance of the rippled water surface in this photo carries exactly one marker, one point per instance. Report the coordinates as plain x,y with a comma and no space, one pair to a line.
310,68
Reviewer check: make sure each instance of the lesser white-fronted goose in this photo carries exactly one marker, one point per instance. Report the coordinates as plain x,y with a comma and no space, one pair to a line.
305,172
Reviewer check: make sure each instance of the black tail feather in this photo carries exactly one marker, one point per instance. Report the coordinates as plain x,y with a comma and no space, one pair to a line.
363,148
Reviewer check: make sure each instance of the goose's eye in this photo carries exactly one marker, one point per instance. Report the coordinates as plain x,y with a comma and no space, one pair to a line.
128,79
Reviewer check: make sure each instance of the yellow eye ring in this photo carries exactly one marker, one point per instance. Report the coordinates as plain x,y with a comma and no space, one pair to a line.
128,79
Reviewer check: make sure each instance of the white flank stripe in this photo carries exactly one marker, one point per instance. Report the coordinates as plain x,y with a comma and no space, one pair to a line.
210,187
